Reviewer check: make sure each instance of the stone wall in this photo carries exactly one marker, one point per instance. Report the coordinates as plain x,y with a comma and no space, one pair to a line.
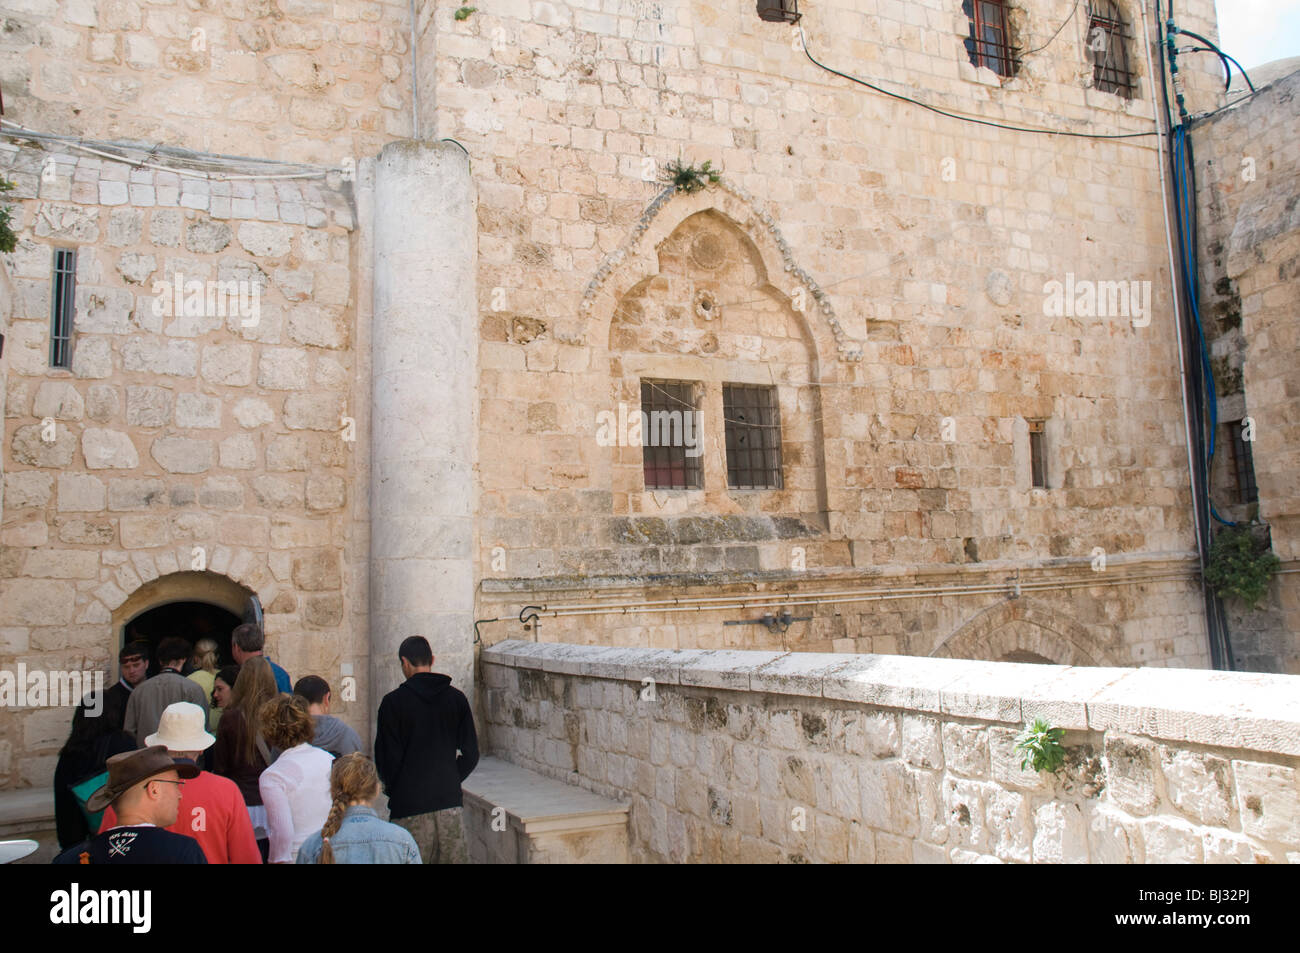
733,756
1248,176
191,434
307,80
883,268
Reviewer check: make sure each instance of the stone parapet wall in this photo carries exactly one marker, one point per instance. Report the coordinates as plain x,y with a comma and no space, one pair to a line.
769,756
313,80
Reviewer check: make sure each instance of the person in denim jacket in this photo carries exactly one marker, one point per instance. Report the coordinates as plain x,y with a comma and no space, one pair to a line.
353,832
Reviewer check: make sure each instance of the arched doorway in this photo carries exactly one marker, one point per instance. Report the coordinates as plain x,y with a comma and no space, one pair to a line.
1024,630
191,605
190,621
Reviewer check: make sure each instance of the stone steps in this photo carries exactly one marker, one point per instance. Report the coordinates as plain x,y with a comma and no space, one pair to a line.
516,816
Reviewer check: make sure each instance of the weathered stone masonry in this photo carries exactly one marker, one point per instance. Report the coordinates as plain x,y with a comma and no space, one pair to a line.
784,757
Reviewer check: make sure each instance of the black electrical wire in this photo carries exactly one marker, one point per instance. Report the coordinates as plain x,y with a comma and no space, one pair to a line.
952,115
1222,55
1194,385
1039,49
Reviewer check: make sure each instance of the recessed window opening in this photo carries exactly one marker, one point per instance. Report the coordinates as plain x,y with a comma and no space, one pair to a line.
1108,47
1037,456
989,43
753,428
671,442
62,298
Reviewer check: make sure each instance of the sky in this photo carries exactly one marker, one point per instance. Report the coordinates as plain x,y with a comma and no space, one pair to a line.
1258,31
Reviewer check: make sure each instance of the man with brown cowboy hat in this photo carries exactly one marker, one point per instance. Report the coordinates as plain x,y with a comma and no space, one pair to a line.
144,788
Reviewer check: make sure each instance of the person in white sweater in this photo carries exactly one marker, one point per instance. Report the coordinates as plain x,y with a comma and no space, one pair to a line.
296,788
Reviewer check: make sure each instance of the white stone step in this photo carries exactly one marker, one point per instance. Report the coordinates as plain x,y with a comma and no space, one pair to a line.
517,816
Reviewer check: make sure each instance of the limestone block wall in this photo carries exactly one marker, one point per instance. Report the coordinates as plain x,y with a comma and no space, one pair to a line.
1132,612
733,756
182,439
304,80
884,268
1248,175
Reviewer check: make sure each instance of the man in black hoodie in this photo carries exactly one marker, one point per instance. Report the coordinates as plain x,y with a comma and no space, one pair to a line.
424,748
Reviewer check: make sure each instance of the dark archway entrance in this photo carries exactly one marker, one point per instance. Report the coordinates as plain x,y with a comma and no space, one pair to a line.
1023,655
190,621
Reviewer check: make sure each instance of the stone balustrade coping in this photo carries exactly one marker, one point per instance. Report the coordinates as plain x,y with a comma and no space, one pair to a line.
1257,712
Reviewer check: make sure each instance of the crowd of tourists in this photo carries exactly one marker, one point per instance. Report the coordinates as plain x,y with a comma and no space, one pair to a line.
237,765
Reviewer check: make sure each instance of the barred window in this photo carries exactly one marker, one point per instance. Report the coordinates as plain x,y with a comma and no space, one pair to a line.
1037,455
1243,463
671,441
989,43
62,296
1108,49
753,428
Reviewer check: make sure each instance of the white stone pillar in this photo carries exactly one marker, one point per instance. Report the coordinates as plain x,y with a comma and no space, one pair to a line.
424,417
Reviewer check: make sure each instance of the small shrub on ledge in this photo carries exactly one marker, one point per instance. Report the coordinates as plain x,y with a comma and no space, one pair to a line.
1240,565
1040,744
689,179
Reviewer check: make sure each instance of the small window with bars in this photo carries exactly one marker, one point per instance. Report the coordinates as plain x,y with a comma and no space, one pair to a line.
671,442
989,43
61,307
753,427
1108,47
1037,456
1243,462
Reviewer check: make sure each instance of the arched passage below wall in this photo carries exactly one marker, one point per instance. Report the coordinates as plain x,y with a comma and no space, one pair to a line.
208,588
1021,630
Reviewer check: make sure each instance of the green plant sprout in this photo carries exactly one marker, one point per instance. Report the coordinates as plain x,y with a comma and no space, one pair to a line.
688,179
1041,746
1239,566
464,12
8,238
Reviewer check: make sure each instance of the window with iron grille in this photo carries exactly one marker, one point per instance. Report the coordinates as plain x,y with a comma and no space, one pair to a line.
61,307
753,422
1108,48
1243,464
1037,455
989,43
671,442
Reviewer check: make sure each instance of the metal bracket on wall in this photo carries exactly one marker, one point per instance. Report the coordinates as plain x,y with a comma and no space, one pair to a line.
775,623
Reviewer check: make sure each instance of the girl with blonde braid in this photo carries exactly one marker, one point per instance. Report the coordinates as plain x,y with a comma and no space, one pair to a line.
353,832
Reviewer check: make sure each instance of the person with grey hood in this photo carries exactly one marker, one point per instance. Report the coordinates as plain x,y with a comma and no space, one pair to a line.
332,734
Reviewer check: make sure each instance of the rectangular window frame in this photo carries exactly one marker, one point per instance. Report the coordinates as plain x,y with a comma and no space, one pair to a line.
1111,72
750,467
989,42
670,467
1037,454
63,294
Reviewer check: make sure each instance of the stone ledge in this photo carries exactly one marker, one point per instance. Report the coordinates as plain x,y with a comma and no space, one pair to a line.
537,804
1250,711
26,809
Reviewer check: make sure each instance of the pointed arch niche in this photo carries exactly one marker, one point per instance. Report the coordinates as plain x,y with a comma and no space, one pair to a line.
701,304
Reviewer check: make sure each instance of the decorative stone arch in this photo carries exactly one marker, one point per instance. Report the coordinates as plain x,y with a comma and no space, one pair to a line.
210,587
637,260
1019,629
697,303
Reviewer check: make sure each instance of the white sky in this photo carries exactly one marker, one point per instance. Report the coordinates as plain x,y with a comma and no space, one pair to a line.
1258,31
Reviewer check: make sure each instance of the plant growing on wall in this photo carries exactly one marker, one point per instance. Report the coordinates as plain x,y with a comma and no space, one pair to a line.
464,12
687,178
8,238
1240,565
1040,744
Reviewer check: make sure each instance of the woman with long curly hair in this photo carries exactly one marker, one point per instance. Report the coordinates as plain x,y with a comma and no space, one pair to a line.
353,832
241,753
296,789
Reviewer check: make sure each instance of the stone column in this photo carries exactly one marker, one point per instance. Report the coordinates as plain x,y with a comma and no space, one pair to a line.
424,418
